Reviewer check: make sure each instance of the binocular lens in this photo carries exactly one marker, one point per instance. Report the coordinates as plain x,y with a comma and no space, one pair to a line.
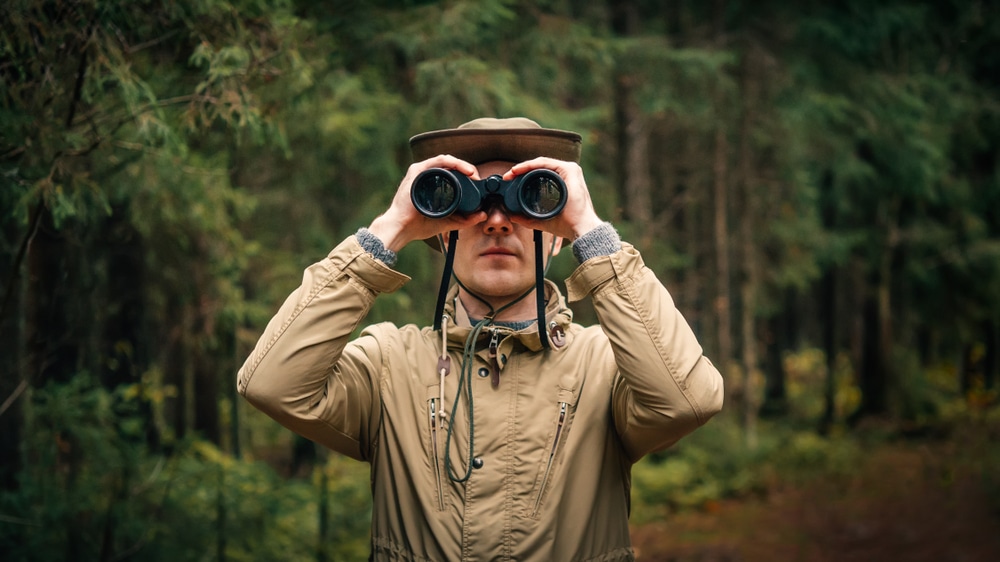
435,195
542,196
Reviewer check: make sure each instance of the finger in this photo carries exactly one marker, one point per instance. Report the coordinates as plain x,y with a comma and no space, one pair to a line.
561,167
450,162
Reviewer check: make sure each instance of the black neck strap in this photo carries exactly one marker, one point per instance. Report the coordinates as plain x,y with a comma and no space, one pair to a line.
449,261
540,290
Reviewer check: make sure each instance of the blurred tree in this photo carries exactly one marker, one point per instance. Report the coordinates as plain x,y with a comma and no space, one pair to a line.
893,100
112,117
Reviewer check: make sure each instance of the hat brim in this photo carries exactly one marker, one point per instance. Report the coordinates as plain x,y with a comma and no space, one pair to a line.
477,146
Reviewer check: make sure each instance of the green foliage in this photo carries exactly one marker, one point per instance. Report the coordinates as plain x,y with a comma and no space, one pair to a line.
890,112
87,79
715,464
93,490
805,375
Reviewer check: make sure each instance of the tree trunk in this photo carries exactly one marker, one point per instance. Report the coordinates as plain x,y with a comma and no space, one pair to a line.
778,342
52,354
966,368
221,514
235,401
750,217
991,369
178,370
323,513
170,360
206,398
720,221
14,382
885,327
871,373
204,351
122,344
748,332
633,175
828,306
638,184
722,301
877,380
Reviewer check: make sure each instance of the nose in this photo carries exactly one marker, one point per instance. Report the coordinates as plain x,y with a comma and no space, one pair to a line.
497,221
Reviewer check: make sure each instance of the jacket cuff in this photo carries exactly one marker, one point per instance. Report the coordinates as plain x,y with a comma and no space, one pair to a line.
351,258
589,276
374,246
601,240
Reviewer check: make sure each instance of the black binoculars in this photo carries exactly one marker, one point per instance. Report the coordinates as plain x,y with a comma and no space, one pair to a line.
439,192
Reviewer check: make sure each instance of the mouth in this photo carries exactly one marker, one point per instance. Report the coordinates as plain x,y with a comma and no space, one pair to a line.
497,251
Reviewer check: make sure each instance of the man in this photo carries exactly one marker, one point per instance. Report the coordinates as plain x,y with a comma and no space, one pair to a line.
485,443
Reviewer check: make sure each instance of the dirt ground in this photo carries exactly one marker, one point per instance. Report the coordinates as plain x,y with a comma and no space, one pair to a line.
906,503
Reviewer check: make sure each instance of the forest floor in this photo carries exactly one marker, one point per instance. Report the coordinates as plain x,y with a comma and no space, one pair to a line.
906,502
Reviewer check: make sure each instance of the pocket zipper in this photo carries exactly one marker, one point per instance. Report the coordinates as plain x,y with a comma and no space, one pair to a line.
552,456
434,448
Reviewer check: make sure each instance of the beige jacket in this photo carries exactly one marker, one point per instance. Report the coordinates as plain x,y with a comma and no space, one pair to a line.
554,441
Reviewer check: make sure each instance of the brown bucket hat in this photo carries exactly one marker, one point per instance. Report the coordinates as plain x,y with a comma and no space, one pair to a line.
513,139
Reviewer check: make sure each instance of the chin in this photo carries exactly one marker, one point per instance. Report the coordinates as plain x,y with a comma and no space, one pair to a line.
500,288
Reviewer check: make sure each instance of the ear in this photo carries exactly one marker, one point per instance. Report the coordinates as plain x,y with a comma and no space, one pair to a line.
556,246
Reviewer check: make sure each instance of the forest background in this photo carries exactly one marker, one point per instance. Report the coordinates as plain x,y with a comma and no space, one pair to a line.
816,183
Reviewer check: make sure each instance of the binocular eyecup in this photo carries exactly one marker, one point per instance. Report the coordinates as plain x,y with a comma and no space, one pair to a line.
439,192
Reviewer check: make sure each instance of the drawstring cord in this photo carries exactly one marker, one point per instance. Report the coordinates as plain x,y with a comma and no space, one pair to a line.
464,383
465,386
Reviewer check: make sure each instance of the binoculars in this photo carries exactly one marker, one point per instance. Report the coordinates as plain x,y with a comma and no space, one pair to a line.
439,192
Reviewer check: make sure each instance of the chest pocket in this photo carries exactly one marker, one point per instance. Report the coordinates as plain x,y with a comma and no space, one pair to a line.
551,465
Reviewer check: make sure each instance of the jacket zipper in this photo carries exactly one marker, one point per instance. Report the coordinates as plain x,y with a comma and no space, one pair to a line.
494,364
552,456
434,448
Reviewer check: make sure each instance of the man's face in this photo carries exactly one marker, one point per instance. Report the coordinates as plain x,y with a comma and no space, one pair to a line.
495,259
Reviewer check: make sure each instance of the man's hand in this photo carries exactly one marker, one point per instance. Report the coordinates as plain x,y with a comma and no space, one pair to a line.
578,217
402,223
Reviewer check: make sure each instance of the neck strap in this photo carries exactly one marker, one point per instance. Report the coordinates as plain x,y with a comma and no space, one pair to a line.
449,262
540,290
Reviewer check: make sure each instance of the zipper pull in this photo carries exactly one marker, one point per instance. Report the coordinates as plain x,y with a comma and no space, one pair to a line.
494,364
444,365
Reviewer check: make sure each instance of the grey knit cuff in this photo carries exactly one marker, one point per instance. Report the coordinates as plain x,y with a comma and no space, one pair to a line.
374,246
602,240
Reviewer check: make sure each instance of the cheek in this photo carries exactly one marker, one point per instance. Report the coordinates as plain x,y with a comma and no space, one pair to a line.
464,260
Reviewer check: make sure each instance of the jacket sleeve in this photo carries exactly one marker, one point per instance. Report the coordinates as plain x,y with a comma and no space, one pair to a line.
665,387
304,373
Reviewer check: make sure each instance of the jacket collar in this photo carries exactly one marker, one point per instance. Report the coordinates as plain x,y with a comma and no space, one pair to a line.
555,311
